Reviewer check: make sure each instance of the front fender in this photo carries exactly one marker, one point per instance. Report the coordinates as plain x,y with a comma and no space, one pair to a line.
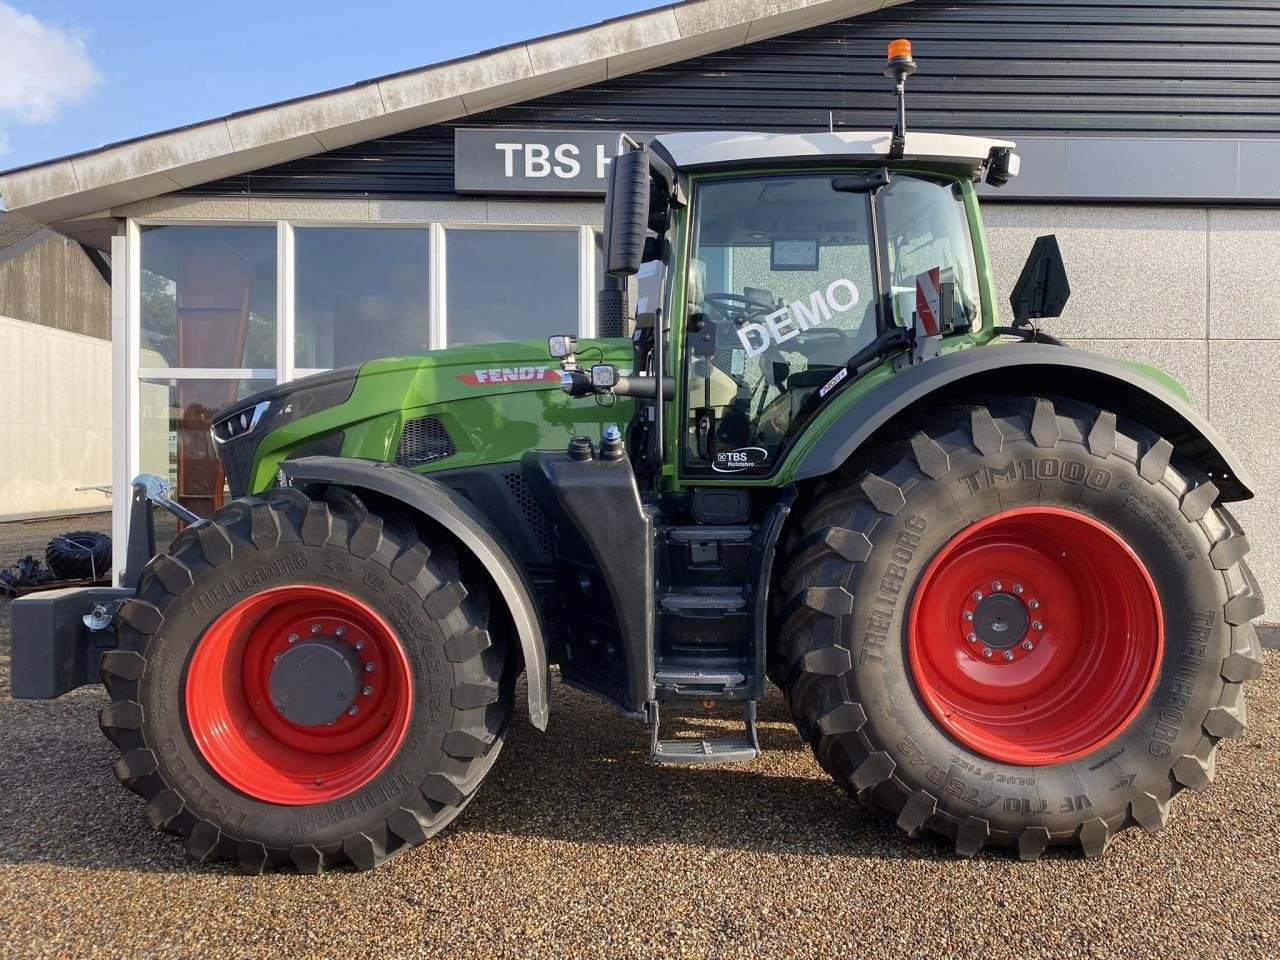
1033,369
473,532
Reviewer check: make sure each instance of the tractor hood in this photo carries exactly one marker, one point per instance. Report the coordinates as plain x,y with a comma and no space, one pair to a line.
485,403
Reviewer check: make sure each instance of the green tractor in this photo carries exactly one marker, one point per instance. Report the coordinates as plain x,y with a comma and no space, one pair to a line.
993,576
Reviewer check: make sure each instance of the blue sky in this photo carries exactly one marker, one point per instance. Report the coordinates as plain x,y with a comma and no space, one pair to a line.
75,74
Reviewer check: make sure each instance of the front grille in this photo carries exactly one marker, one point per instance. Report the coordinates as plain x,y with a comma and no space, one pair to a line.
424,440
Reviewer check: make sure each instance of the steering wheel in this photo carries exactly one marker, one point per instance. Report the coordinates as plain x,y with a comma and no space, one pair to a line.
727,304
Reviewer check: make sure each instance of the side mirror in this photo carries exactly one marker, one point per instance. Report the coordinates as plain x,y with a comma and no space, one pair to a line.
626,213
1042,289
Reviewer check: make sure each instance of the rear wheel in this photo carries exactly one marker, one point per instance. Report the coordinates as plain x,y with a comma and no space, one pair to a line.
1026,625
304,683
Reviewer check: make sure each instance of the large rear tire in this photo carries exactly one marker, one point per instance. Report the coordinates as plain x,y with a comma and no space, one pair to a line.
302,683
1025,625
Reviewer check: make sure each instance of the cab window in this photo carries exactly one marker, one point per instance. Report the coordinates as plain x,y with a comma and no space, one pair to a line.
926,228
780,294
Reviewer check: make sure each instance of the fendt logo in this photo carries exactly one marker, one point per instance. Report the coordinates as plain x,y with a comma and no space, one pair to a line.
499,375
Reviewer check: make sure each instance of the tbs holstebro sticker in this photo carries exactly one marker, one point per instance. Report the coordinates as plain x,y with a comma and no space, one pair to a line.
735,461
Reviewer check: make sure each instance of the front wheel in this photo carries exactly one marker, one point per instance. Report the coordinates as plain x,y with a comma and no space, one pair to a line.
1026,625
303,683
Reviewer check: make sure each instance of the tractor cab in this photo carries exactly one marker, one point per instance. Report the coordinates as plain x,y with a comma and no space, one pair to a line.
793,267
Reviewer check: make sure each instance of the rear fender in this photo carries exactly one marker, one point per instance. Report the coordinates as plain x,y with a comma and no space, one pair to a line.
1036,370
472,531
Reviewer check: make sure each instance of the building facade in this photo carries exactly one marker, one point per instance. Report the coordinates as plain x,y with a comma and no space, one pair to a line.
461,203
55,364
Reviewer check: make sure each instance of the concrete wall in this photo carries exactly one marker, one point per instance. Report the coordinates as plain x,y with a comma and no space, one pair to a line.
55,422
1193,291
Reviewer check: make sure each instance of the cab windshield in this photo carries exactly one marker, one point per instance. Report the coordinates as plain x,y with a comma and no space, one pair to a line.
784,288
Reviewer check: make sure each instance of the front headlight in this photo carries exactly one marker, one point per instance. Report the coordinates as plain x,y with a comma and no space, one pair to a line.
239,425
286,403
238,430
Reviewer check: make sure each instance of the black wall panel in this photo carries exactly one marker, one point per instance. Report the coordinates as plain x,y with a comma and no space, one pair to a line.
997,67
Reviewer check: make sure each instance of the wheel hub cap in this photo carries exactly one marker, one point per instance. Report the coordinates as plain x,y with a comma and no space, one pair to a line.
315,682
1000,621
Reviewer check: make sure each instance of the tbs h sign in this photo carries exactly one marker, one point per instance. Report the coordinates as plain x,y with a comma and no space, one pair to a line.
532,161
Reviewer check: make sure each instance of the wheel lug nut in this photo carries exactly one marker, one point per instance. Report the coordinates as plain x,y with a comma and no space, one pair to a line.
986,652
1037,625
997,585
1017,588
278,656
368,668
341,631
359,644
367,691
1028,645
968,614
315,628
972,638
1034,604
977,594
353,711
1008,654
293,638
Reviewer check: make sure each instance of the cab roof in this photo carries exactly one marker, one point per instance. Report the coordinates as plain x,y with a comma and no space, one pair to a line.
707,151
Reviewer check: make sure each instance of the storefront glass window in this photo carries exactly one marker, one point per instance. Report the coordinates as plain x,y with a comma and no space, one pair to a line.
174,440
208,297
511,284
360,293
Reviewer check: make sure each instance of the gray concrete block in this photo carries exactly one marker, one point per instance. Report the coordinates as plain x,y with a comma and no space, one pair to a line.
1186,361
1244,285
783,18
570,213
302,118
1135,272
341,210
152,155
428,211
186,208
491,72
714,16
37,185
605,40
1244,397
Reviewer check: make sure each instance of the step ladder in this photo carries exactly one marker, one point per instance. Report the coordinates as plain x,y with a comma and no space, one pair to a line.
718,750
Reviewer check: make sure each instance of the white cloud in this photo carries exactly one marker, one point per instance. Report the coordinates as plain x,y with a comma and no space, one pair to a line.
42,70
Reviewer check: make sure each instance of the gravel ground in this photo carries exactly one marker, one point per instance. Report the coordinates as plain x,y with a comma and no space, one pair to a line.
576,846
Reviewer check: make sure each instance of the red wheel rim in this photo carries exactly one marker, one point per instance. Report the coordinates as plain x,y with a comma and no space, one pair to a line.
1063,677
249,743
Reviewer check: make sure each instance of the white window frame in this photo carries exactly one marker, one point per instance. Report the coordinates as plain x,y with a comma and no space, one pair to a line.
286,296
586,271
126,320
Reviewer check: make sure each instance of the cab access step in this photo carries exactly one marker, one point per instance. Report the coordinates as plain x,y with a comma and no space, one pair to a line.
690,750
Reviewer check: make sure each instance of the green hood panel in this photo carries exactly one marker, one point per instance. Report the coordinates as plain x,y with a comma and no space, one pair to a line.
495,400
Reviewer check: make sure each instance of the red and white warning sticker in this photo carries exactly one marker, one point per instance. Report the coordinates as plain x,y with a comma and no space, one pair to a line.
929,301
